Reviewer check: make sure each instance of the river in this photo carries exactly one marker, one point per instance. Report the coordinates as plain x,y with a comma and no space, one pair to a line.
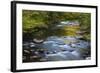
57,49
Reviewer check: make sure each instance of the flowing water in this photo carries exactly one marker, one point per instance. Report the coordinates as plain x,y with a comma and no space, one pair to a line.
59,48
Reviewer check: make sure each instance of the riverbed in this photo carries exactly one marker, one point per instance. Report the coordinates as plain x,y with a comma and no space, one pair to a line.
56,48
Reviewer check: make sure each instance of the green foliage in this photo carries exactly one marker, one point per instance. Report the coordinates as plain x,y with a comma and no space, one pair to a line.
41,24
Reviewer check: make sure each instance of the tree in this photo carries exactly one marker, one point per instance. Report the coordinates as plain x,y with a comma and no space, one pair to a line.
42,24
